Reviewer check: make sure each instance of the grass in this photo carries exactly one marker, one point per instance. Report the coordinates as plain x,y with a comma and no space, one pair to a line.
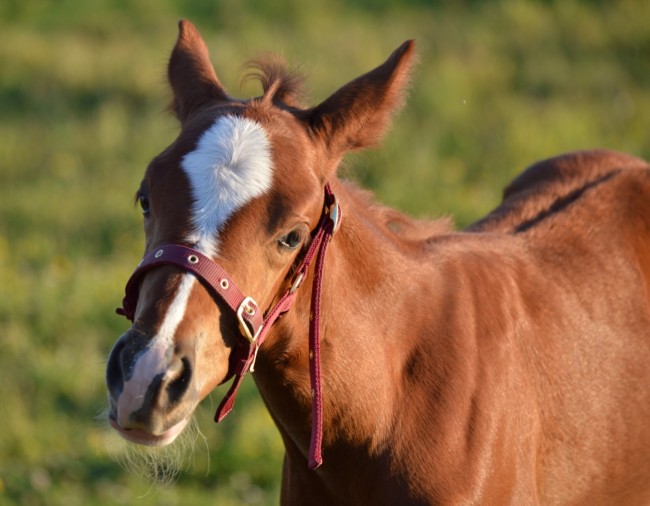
82,96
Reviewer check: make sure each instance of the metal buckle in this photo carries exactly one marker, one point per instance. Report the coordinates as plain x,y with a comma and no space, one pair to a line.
249,306
335,214
297,282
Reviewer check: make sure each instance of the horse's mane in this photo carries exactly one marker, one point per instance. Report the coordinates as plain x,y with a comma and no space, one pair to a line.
398,224
279,82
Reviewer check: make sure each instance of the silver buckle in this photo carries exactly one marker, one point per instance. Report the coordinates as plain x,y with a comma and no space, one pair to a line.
249,306
297,282
335,214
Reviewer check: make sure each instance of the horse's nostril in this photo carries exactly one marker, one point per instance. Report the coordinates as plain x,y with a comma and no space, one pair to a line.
114,373
178,384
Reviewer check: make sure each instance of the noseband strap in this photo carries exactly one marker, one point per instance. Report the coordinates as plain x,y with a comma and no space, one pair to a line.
205,269
253,325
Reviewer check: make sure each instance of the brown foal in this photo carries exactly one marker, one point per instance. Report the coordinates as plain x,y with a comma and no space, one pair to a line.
505,364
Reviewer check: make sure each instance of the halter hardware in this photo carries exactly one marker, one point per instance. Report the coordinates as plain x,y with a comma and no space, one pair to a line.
248,306
334,212
253,326
297,282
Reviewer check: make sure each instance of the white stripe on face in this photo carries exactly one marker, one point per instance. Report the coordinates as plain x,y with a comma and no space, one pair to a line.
230,166
155,359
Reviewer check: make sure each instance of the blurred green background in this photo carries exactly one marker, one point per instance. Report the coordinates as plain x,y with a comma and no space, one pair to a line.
82,107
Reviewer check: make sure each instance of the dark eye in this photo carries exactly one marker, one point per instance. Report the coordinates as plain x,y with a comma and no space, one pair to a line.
144,204
292,240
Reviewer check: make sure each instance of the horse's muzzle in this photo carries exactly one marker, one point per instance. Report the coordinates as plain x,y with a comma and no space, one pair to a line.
150,389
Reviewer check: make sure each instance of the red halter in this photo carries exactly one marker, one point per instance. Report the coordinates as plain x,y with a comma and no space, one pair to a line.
253,325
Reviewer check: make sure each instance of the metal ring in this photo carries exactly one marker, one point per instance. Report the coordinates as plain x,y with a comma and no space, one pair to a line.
224,284
297,282
246,304
158,253
193,259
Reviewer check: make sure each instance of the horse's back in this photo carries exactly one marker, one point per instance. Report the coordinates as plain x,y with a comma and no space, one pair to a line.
581,207
552,184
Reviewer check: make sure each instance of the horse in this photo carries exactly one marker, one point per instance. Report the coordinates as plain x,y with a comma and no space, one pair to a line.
402,361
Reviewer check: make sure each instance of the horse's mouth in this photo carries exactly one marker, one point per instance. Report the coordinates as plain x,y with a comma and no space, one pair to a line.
142,437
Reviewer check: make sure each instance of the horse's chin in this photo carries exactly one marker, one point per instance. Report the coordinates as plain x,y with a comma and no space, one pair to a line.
144,438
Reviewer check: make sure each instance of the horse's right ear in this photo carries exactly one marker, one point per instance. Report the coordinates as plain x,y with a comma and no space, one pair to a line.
191,74
359,113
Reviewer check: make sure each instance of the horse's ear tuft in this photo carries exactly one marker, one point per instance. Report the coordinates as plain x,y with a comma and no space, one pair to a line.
191,75
359,113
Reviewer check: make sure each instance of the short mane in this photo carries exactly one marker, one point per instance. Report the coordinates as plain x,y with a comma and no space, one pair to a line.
399,224
279,82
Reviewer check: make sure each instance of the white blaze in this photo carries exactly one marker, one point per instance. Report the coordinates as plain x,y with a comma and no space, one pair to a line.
230,166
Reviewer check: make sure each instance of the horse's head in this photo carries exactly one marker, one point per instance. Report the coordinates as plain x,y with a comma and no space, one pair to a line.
243,185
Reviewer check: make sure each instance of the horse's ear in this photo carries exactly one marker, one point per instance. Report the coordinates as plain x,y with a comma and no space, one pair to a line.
191,74
359,113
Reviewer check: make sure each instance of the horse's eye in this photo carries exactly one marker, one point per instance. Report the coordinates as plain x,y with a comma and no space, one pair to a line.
144,204
292,240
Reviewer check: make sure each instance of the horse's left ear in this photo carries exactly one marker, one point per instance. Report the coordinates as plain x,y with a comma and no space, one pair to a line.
359,113
191,74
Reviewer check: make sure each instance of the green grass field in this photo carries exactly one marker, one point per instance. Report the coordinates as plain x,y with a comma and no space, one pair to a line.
82,111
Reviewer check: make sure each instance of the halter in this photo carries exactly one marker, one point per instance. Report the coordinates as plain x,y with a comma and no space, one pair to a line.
253,325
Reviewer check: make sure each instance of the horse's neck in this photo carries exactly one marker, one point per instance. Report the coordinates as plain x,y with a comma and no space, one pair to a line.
364,339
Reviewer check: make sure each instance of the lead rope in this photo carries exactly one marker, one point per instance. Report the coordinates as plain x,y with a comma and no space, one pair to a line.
316,441
329,224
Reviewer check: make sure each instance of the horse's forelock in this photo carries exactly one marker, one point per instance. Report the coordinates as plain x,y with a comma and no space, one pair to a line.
279,82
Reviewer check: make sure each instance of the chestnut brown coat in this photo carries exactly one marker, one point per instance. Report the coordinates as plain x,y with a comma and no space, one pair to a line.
508,363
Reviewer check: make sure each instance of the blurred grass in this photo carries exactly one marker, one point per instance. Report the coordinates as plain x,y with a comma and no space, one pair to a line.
500,85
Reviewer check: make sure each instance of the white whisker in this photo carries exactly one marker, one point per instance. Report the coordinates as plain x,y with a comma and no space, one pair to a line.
157,465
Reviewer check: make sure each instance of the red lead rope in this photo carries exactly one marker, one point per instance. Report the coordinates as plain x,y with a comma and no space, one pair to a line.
316,441
252,327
